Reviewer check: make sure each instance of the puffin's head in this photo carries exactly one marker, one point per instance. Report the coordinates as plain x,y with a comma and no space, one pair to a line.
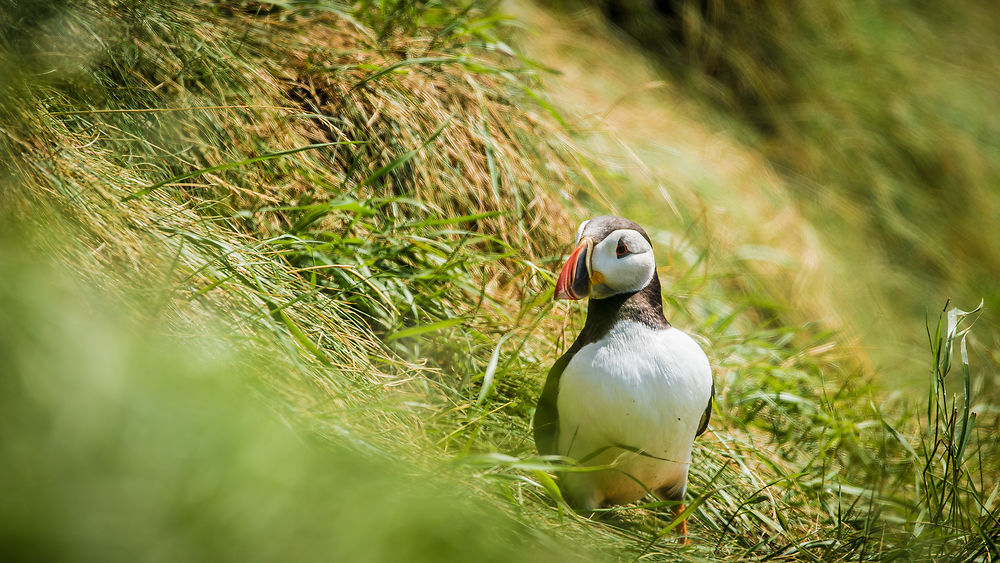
613,255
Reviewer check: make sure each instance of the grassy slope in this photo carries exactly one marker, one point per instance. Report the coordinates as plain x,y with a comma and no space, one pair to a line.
879,117
691,181
663,154
326,280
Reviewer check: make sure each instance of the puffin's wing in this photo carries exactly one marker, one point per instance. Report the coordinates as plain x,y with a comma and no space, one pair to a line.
707,415
546,421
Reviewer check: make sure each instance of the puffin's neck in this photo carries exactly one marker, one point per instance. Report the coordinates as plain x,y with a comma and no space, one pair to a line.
644,306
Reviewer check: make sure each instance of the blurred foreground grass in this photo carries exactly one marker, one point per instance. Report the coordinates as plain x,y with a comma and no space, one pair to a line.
122,443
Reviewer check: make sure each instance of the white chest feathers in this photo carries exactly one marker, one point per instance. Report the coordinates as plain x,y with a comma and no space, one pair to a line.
641,388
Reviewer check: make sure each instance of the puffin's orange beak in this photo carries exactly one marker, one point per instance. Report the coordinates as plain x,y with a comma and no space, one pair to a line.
574,279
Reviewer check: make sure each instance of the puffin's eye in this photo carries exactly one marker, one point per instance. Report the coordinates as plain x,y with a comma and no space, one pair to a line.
622,250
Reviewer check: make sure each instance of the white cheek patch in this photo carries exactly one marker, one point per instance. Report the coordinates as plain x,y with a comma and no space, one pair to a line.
622,275
629,274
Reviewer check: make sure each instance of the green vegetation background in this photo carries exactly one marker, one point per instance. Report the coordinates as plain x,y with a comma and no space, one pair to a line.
277,276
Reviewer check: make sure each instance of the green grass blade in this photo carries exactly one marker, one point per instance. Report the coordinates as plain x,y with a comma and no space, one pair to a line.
236,164
409,62
405,157
491,369
453,220
423,329
688,511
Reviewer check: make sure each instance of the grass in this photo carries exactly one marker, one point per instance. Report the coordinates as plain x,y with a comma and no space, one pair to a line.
122,442
281,286
878,116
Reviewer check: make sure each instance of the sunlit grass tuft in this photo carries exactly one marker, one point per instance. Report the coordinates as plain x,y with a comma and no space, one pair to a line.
879,119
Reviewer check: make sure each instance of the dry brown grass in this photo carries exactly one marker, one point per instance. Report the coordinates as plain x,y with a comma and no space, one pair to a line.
205,233
314,74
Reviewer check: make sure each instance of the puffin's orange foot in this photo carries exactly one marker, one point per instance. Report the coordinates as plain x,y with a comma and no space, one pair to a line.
683,533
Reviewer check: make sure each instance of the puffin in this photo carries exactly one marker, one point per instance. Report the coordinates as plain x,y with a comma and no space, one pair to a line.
632,392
